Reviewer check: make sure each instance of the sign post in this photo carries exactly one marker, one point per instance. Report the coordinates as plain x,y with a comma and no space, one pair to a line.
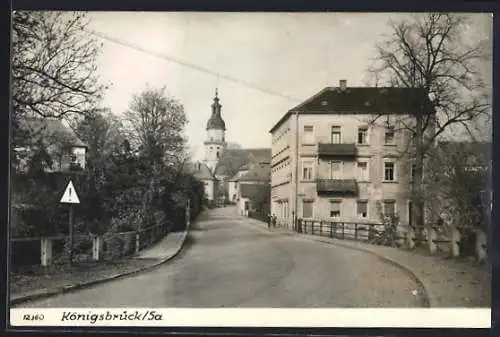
70,197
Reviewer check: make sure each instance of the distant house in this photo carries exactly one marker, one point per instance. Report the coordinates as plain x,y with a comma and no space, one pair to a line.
233,186
202,172
234,164
62,149
254,189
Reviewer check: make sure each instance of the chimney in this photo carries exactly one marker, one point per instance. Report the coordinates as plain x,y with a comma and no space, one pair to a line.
342,84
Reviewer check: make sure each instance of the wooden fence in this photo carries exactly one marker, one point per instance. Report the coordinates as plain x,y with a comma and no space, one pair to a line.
86,247
435,239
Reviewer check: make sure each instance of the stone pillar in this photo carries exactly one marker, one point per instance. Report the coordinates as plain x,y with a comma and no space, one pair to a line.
455,240
410,235
46,252
96,248
481,244
137,242
431,236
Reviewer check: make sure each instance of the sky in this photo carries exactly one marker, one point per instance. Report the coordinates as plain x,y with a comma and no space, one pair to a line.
293,55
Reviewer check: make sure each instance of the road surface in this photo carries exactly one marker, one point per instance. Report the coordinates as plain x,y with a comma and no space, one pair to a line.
228,261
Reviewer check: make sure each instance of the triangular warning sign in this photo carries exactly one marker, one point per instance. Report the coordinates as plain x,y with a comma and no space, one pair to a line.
70,196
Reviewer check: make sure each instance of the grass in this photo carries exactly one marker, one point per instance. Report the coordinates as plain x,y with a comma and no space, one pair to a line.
37,278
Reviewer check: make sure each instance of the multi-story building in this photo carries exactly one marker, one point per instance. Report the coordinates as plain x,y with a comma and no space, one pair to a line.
345,154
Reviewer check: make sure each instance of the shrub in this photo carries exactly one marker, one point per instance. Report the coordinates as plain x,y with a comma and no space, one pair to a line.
113,247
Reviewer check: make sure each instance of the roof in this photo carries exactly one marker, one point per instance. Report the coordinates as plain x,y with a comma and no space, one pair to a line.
51,130
253,191
360,100
201,171
258,173
215,121
233,160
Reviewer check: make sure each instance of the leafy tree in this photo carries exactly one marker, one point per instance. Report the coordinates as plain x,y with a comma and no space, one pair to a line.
156,124
429,53
102,133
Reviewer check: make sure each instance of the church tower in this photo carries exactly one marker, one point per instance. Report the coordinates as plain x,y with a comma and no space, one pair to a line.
216,129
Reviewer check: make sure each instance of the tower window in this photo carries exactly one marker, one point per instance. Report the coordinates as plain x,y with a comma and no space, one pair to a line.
217,154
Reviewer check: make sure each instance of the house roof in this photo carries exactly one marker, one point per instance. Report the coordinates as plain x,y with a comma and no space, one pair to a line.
387,100
260,172
51,130
233,160
215,121
201,171
252,191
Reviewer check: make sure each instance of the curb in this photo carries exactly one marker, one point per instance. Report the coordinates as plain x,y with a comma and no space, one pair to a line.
79,286
428,296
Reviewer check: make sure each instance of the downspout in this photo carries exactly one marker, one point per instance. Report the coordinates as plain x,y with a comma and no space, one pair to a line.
295,224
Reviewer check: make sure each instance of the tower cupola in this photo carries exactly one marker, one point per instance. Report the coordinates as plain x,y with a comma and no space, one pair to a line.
216,122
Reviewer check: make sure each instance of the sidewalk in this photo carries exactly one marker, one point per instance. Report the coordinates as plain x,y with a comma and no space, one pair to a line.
448,282
40,285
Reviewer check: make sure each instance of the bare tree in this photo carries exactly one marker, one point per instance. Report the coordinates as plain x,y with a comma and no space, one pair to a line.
430,54
53,64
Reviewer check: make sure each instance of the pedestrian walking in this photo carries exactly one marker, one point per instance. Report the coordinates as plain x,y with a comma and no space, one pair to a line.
274,220
269,219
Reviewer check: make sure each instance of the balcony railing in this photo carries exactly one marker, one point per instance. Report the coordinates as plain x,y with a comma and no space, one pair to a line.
343,186
345,150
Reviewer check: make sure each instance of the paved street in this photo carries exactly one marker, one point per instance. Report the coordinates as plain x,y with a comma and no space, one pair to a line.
229,262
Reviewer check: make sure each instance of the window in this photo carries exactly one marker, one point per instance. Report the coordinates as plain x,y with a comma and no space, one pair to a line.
336,135
217,154
389,208
336,170
389,136
363,174
363,136
307,209
389,172
308,136
334,208
307,169
362,208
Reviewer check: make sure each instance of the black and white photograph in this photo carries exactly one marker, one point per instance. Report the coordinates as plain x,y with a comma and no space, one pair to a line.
250,160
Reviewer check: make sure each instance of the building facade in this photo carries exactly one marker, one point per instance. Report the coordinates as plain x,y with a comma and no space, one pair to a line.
344,155
202,172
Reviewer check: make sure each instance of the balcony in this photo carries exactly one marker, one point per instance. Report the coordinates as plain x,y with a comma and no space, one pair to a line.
337,186
346,150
